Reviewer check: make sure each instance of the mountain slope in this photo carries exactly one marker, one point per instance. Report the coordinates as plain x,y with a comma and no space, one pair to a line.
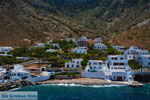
21,23
105,16
38,20
139,36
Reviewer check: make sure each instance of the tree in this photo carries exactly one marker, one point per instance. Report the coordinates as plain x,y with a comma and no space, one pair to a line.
111,51
61,62
91,47
20,52
66,70
38,52
134,65
85,56
84,63
53,59
76,69
103,58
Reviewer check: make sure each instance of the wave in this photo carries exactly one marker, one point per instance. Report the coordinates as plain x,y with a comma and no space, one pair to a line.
79,85
15,89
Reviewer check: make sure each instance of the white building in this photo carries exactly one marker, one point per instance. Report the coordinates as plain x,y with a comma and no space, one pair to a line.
133,52
120,76
23,58
118,63
144,60
83,42
100,46
5,49
71,39
80,50
98,40
6,55
116,68
55,45
119,48
51,50
119,68
95,65
95,69
73,64
2,74
19,73
40,45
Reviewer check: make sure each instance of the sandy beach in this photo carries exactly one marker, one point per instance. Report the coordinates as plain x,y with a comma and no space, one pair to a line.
84,81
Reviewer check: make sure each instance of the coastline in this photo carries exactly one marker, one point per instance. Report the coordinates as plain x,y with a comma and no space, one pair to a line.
84,81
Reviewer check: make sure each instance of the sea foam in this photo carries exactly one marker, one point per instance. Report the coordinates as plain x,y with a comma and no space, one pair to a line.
79,85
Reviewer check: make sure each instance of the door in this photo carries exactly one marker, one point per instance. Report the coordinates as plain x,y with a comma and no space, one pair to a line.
119,78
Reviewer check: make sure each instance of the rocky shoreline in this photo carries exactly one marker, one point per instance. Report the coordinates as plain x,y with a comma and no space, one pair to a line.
79,81
17,84
84,81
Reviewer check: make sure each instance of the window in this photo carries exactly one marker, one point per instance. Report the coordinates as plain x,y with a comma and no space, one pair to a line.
114,77
116,64
121,58
122,64
114,58
68,65
78,66
72,65
124,77
89,64
100,63
139,58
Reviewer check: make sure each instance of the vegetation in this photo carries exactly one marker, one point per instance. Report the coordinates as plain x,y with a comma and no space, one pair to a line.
64,44
134,65
9,60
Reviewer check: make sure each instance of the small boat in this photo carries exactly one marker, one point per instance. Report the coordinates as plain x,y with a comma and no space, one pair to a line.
42,77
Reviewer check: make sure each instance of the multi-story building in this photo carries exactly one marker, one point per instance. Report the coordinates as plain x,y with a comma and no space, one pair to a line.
100,46
83,42
55,46
95,65
5,49
118,63
74,64
119,48
144,60
119,68
80,50
97,40
133,51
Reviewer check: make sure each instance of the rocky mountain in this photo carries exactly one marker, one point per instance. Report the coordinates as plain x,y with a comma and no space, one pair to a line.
72,18
24,23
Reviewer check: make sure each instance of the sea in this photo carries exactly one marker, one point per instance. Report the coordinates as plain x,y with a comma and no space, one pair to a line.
79,92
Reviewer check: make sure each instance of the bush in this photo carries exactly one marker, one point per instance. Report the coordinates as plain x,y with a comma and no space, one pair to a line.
20,52
84,63
134,65
111,51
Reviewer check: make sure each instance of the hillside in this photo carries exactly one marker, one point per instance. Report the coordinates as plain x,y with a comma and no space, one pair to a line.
139,36
54,19
106,16
23,23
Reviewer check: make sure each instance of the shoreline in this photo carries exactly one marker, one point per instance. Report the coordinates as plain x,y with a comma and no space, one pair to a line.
83,81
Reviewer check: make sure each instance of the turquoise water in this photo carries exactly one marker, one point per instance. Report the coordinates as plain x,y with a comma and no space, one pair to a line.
55,92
